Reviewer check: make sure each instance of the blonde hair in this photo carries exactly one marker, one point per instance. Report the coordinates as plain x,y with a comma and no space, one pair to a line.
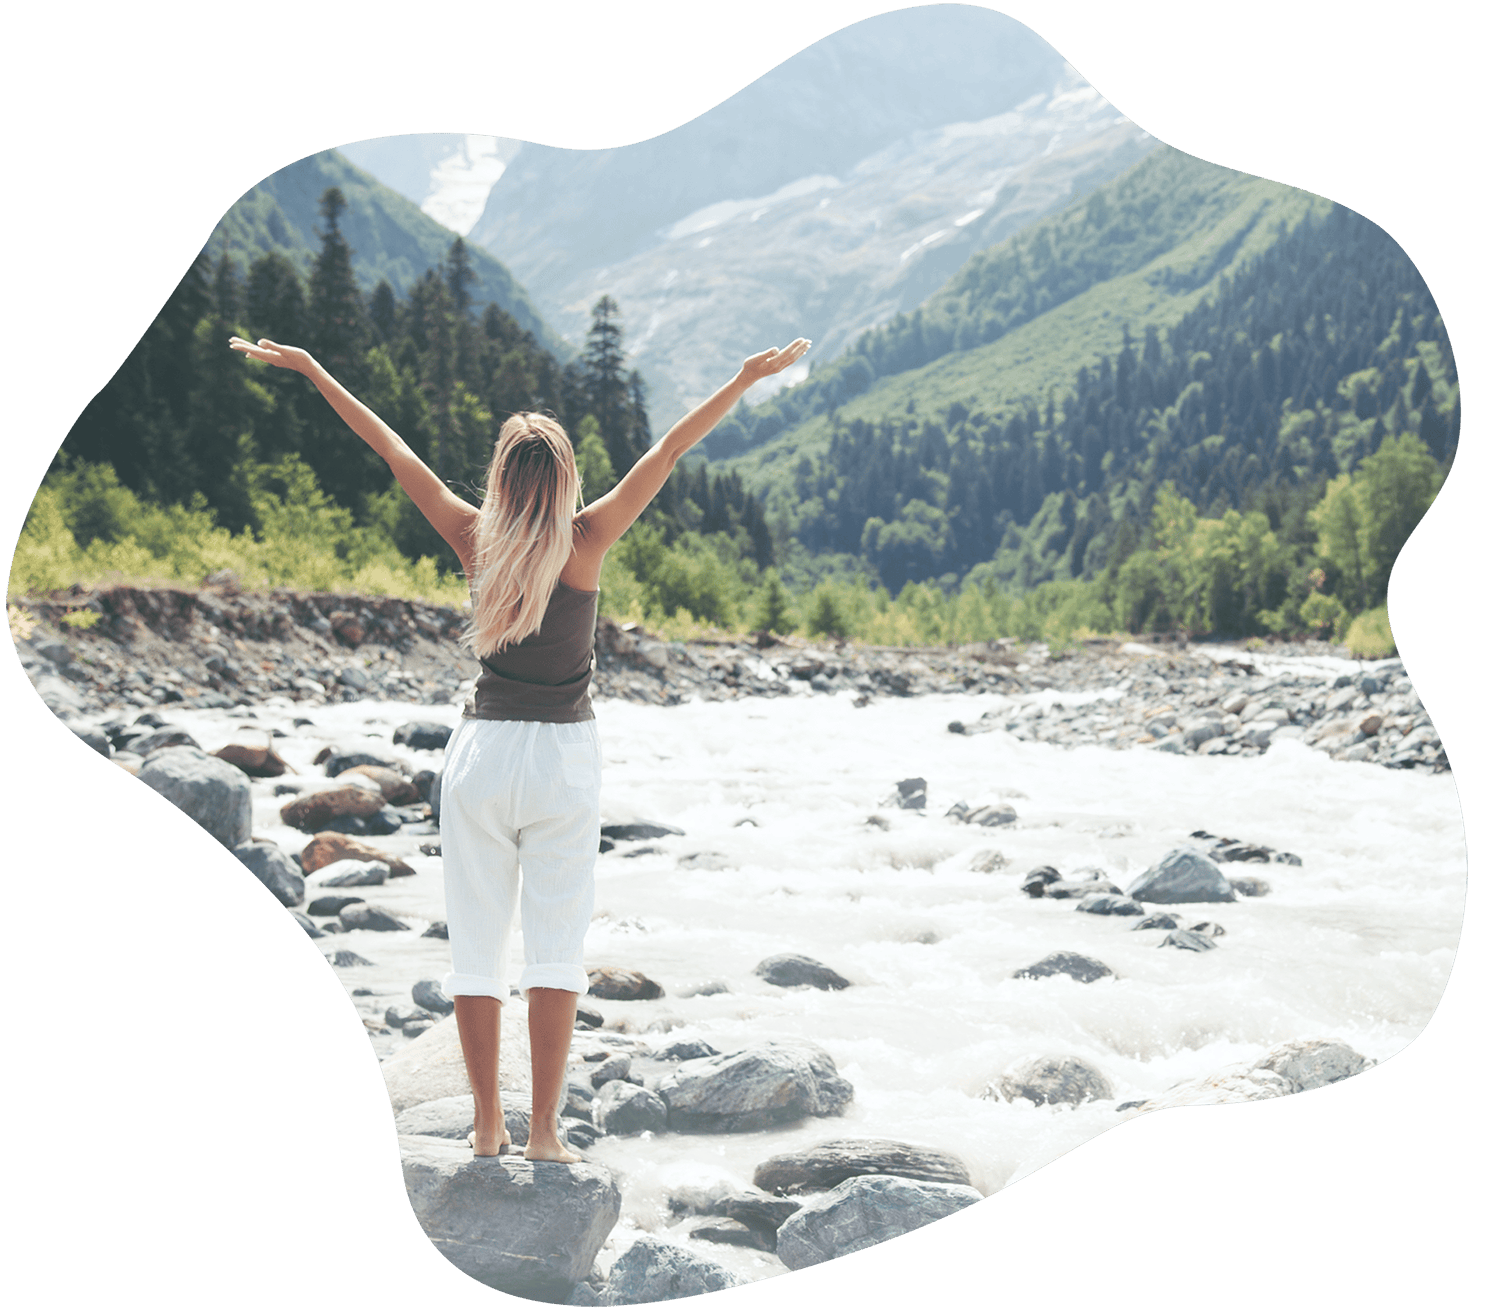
524,534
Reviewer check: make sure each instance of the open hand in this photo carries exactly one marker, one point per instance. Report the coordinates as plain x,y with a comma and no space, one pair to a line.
270,353
768,362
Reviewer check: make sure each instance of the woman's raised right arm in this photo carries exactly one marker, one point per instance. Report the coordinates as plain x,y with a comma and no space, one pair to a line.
452,516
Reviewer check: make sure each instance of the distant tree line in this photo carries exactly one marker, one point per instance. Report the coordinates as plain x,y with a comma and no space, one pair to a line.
1296,370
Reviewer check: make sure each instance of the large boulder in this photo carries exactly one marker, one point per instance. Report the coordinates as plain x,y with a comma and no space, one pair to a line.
1182,875
1309,1064
800,971
529,1229
1051,1080
657,1270
316,810
860,1212
827,1165
741,1091
275,868
215,795
326,847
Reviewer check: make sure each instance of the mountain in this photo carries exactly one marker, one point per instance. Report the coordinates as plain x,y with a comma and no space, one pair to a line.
1185,323
844,185
448,175
391,237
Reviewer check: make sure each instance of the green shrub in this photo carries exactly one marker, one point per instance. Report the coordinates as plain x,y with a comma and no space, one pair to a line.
1369,635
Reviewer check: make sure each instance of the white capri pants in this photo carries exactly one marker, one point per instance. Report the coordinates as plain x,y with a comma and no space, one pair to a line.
519,814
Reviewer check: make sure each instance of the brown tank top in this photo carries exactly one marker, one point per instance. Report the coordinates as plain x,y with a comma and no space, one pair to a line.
544,677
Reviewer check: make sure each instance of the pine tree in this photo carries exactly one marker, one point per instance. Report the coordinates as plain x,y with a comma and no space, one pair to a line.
339,330
773,610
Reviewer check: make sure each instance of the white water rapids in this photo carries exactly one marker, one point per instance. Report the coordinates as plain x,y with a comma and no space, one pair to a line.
1356,943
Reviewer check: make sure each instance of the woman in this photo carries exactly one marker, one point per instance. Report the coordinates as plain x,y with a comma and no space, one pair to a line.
521,773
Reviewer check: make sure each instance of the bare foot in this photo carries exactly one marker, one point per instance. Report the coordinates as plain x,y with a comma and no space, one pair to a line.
549,1148
503,1145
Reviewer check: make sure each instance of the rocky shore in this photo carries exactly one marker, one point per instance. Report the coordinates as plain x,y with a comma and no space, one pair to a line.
214,647
363,815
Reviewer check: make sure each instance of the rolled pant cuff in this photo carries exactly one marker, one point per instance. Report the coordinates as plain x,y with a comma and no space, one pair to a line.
564,977
472,984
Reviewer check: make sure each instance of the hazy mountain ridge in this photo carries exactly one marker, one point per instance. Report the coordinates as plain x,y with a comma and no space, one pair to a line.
389,235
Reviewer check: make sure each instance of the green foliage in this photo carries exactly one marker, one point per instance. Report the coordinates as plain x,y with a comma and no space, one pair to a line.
595,470
1369,635
825,616
85,527
773,608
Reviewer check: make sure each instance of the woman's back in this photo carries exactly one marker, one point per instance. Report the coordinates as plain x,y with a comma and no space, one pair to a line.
545,676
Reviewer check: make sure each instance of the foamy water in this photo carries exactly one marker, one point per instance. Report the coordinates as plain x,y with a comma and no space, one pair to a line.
1354,944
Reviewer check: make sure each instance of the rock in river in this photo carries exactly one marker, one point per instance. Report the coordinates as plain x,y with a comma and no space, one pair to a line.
1084,968
657,1270
326,847
821,1167
275,868
1308,1064
531,1230
1104,903
799,971
622,1109
315,810
215,795
1182,875
615,984
742,1091
423,735
863,1211
1051,1080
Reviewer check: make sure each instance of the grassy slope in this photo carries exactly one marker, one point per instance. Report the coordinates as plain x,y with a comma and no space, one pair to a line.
1226,214
390,236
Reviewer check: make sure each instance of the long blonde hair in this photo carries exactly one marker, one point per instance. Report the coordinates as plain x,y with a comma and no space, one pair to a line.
524,534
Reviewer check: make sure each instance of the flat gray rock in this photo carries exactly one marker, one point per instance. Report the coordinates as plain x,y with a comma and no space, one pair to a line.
531,1230
452,1117
1182,875
827,1165
860,1212
215,795
656,1270
741,1091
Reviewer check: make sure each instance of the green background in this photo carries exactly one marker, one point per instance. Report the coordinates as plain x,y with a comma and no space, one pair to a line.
195,1115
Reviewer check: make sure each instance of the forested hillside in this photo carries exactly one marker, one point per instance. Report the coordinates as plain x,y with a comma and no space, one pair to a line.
190,438
1263,342
392,240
